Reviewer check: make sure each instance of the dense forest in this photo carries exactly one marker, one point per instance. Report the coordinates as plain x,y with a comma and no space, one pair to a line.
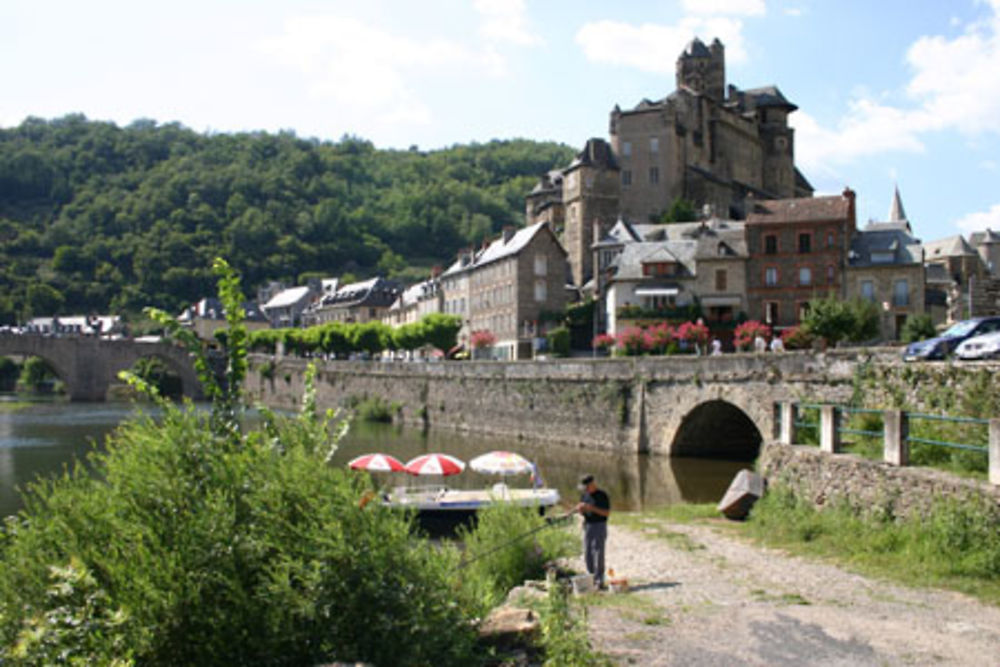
100,218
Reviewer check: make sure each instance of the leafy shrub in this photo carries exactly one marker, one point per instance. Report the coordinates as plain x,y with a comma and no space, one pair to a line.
508,545
917,327
558,340
197,543
796,338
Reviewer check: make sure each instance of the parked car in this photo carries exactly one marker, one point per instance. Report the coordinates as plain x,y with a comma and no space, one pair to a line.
943,345
985,346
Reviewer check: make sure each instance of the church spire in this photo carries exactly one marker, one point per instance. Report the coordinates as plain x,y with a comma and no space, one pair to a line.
896,212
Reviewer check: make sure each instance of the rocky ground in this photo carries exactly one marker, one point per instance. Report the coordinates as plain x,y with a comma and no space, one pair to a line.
702,597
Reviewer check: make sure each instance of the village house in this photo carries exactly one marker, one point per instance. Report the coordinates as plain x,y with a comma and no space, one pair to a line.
360,302
797,251
285,307
416,301
506,287
885,267
208,316
665,267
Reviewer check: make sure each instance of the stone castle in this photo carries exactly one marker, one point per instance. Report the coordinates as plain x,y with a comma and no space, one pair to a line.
712,145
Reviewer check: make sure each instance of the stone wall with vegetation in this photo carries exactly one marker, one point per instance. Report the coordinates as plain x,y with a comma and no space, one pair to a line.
970,389
866,486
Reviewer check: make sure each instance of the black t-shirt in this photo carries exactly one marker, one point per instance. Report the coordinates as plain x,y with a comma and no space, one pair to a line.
598,499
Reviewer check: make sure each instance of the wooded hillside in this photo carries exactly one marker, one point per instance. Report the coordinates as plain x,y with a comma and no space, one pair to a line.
95,217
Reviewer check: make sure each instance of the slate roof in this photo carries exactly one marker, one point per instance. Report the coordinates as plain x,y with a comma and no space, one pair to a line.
696,49
952,246
882,238
500,249
629,263
801,209
287,297
595,153
375,292
977,239
767,96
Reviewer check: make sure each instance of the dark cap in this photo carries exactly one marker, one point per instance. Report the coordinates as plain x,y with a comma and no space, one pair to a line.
585,480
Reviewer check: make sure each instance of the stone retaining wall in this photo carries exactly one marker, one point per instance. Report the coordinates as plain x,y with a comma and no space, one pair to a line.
868,486
625,405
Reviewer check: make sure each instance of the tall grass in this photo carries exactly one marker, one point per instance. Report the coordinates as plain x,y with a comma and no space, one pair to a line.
956,546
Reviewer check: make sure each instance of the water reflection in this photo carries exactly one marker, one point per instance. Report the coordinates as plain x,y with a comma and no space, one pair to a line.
43,439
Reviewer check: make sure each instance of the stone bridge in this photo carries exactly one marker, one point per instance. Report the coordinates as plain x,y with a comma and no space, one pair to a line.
89,365
721,407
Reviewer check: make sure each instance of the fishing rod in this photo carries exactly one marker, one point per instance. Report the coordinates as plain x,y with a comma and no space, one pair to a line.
549,522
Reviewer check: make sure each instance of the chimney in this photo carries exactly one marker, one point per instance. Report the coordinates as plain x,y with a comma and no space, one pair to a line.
485,245
435,271
848,194
465,256
508,232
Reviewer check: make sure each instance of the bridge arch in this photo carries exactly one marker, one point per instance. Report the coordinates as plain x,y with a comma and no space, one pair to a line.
717,429
190,386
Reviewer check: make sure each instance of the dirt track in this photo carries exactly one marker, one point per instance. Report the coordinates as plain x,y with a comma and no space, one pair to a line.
700,597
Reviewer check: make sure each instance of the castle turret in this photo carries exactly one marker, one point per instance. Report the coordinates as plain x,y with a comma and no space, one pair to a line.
703,69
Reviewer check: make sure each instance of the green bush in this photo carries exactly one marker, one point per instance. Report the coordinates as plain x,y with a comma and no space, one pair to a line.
502,551
917,327
197,543
558,340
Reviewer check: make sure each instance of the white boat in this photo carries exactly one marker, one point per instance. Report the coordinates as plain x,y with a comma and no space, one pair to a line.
441,510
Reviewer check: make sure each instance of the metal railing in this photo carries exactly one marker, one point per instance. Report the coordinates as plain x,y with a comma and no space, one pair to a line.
830,425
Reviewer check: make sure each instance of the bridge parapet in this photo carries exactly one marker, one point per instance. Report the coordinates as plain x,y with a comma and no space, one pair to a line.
89,365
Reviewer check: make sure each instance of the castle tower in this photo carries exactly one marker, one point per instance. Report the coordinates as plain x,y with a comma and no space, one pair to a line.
590,189
703,69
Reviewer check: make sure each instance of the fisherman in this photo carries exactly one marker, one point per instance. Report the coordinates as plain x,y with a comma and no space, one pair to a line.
594,506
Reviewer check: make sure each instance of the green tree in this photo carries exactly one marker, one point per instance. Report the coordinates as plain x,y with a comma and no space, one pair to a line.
834,319
681,210
917,327
42,299
441,330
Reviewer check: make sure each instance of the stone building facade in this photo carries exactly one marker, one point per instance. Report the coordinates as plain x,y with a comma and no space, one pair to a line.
797,250
506,286
705,142
885,265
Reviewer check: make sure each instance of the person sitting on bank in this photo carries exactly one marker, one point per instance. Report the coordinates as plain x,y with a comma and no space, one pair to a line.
595,506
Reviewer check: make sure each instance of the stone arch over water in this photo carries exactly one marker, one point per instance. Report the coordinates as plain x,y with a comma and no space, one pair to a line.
717,429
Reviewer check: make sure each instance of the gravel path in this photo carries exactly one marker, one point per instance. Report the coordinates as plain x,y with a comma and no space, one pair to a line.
700,597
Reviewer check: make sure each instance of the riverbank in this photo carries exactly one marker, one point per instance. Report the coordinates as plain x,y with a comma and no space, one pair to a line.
703,595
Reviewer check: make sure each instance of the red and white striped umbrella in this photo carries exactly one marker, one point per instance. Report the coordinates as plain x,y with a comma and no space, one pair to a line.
435,464
376,463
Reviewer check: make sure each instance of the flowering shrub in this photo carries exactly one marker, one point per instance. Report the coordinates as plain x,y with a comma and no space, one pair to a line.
745,334
632,341
603,341
796,338
659,338
693,332
482,338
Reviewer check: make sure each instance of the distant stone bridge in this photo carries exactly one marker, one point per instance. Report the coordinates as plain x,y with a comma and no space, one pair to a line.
89,365
721,407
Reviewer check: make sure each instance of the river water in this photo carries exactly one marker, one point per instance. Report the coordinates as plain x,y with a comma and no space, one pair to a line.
45,437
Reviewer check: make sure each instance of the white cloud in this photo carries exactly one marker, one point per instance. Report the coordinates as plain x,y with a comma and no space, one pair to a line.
653,47
367,70
954,87
728,7
981,220
505,21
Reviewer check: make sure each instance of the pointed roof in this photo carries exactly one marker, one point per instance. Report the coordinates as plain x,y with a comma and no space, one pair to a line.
696,49
896,212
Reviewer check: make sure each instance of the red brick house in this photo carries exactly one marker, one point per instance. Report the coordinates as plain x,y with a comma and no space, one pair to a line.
797,251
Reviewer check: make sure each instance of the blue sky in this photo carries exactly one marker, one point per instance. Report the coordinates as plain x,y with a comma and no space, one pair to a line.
889,92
